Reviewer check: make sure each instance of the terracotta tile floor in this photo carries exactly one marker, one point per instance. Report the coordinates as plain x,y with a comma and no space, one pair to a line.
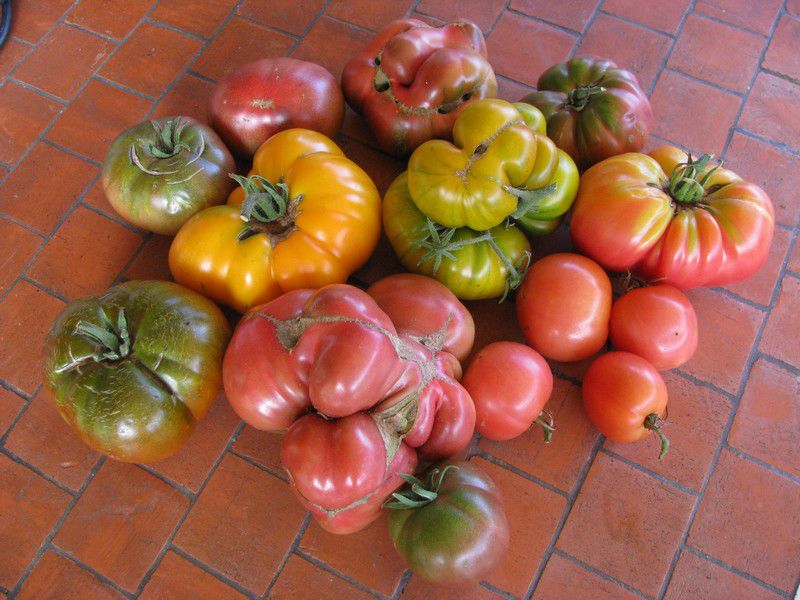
720,517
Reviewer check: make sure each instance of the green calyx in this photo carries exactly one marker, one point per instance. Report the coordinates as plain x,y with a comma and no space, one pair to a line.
579,97
112,341
655,423
168,138
267,207
687,182
418,493
168,144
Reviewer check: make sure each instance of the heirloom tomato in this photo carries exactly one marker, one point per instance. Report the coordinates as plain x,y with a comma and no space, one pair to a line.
133,370
266,96
509,383
306,216
671,217
412,80
360,384
563,306
625,398
657,323
159,173
593,108
449,524
499,166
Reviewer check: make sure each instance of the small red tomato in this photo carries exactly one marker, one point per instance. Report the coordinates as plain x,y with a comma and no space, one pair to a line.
563,306
657,323
509,383
625,398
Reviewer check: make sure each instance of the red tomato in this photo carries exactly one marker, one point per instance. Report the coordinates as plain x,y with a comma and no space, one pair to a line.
509,383
269,95
625,397
657,323
563,307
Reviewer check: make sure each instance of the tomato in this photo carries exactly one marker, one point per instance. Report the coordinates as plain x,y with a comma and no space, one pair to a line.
270,95
657,323
133,370
509,383
563,307
593,108
159,173
412,80
625,398
474,265
450,525
358,394
306,216
499,166
672,217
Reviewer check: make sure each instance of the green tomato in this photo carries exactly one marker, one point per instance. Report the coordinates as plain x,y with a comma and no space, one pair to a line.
159,173
450,526
133,370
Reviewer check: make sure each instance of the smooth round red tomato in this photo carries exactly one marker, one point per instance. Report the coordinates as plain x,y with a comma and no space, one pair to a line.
509,383
625,397
563,307
657,323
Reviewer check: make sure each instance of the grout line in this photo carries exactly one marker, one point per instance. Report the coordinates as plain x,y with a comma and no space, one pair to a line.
170,482
732,569
500,13
699,382
780,75
263,25
678,30
22,224
73,153
292,547
167,26
46,289
657,476
771,468
116,218
325,567
21,461
572,32
511,468
258,465
402,584
32,88
70,557
741,299
779,145
734,26
497,591
79,27
707,82
12,388
780,363
599,573
213,572
642,25
122,87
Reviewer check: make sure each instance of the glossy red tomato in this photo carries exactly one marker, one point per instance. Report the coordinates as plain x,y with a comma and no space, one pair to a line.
509,383
657,323
625,397
269,95
563,306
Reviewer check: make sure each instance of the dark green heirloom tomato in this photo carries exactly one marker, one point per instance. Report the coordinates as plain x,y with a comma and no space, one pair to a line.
473,264
133,370
159,173
449,525
594,109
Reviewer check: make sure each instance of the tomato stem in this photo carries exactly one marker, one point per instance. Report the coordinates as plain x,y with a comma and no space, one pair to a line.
168,145
579,98
267,208
655,423
418,493
546,422
112,342
687,183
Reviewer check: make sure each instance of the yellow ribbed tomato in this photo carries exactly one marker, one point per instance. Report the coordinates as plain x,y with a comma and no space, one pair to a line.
305,217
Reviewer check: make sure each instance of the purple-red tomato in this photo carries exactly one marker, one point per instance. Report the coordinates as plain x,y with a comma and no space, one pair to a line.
269,95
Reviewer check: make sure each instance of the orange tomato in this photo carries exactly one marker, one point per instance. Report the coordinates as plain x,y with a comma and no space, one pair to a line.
305,217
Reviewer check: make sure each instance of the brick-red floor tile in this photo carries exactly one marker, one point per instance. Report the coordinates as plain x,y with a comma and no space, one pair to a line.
200,17
263,447
17,247
23,116
771,168
331,44
121,522
756,16
697,417
96,117
25,316
188,97
10,54
696,577
58,578
750,519
664,16
63,62
114,18
44,185
242,524
681,122
367,557
481,12
622,513
151,262
150,59
301,580
760,286
717,53
29,508
10,405
727,331
294,17
794,259
793,7
84,234
32,18
521,48
42,438
562,578
419,589
572,15
238,43
177,577
560,462
769,110
369,14
782,55
636,48
783,325
96,197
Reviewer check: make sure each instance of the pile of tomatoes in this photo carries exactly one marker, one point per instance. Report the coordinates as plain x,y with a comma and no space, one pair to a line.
367,386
